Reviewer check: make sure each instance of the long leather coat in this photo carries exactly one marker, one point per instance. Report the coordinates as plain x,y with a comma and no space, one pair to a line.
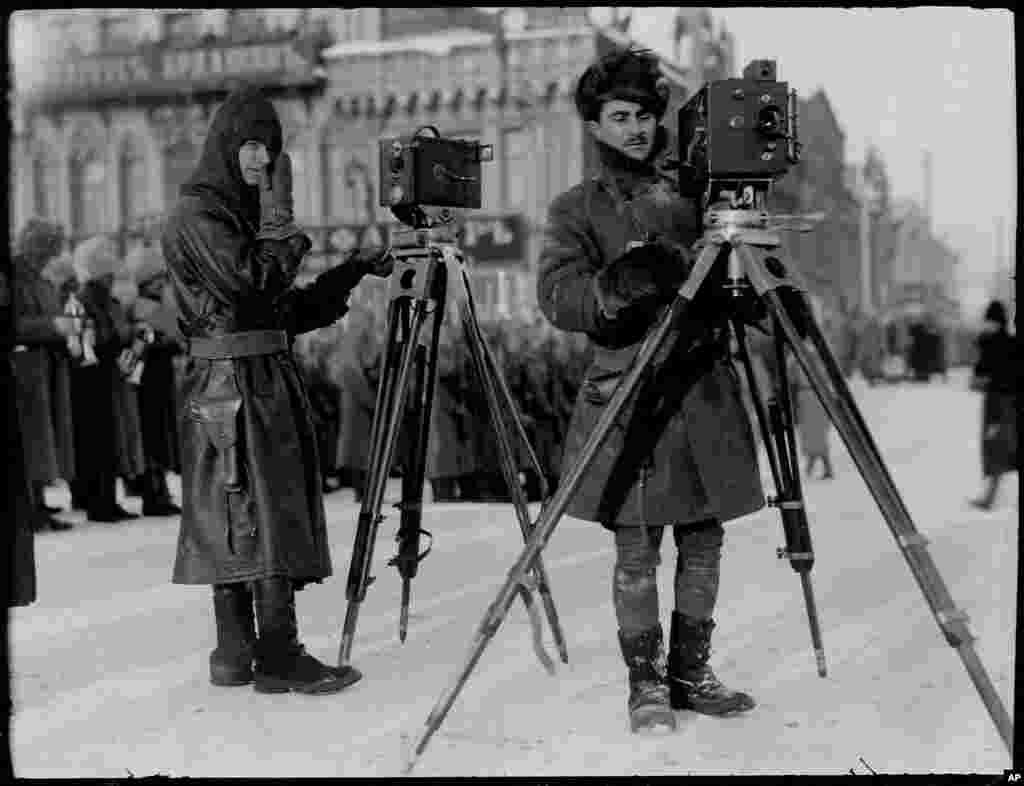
685,451
225,281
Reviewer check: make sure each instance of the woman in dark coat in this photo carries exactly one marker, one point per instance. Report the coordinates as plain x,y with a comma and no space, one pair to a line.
95,385
995,375
616,248
41,367
252,522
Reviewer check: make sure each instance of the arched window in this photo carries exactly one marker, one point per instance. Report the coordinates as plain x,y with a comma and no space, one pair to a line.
88,182
133,182
179,160
45,183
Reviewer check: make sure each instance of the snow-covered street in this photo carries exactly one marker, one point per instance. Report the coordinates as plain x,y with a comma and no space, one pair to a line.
110,674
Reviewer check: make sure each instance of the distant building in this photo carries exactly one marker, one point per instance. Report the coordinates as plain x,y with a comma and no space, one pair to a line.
112,106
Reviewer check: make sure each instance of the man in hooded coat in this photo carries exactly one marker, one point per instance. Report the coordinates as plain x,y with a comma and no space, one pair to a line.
252,522
616,249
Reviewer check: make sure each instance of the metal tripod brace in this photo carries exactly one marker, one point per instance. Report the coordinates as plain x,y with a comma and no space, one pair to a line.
426,261
751,251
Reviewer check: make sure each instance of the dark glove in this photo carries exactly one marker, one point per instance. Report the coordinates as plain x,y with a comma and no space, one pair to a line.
642,278
277,214
343,278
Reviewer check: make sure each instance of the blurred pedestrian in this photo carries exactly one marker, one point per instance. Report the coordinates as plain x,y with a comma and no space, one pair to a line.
41,367
252,523
995,375
447,449
357,375
96,394
155,319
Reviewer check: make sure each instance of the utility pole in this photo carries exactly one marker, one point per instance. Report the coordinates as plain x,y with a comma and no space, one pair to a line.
867,197
927,166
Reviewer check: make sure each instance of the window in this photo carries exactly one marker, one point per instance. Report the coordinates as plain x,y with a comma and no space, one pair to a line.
134,183
179,161
516,169
246,22
118,32
182,28
88,181
45,184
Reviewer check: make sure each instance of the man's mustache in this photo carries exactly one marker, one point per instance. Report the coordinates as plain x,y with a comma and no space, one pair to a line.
637,140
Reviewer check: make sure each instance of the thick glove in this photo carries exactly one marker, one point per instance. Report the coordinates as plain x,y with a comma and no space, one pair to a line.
343,278
642,278
277,214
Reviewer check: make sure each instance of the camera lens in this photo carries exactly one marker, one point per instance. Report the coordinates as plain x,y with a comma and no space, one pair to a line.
769,121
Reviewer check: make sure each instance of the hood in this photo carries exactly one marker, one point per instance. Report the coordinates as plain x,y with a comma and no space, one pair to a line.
245,114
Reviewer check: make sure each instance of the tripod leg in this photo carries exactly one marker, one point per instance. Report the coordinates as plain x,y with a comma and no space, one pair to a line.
391,398
490,379
843,412
418,426
656,339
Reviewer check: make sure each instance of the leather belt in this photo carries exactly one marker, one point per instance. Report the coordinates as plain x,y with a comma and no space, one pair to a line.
239,345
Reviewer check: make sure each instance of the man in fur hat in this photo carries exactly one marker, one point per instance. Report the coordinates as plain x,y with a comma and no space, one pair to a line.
252,522
616,249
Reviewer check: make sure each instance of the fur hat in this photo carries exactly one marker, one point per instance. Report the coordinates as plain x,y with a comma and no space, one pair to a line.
625,74
996,312
59,269
95,258
144,263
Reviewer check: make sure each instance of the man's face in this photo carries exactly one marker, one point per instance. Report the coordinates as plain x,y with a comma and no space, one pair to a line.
625,126
253,159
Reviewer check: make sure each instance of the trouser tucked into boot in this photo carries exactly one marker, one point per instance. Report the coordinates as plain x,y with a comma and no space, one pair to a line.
692,682
282,663
648,694
231,662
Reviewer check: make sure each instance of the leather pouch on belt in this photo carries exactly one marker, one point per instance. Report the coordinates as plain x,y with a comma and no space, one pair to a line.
217,416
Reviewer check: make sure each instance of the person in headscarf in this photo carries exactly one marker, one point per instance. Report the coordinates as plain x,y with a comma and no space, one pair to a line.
252,522
157,343
95,389
995,375
682,457
41,366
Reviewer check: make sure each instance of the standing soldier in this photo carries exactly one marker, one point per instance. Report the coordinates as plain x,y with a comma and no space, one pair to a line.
616,249
446,455
252,522
357,363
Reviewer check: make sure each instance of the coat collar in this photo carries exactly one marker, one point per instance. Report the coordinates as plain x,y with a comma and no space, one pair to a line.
621,176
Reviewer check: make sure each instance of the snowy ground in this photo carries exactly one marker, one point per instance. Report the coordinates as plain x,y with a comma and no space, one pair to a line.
110,665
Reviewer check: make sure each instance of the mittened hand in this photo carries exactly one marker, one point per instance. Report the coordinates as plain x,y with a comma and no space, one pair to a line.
647,274
375,260
277,207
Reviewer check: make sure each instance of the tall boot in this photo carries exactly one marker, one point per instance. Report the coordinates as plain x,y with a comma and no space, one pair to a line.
988,498
693,685
282,663
648,704
231,662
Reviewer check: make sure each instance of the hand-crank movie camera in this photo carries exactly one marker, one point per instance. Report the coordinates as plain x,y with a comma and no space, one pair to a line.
430,170
735,130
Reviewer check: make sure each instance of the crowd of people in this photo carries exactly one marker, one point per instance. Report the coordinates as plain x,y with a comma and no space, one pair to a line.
542,368
94,374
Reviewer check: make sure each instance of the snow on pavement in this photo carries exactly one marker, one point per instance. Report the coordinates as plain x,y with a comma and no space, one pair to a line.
110,665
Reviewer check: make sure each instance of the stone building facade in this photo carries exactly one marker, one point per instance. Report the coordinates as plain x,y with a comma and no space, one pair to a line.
112,106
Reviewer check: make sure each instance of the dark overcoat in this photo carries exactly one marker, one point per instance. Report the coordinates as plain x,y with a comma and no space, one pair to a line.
359,362
251,410
997,372
16,514
685,451
41,367
447,455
